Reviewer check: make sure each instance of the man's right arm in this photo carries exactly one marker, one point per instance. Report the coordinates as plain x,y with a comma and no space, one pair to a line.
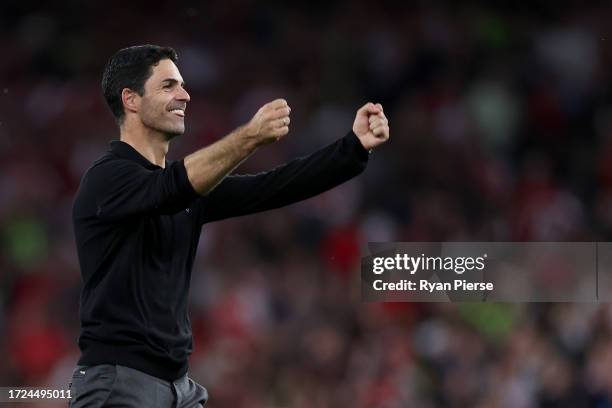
208,166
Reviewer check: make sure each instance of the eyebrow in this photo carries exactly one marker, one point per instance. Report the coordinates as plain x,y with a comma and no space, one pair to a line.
173,81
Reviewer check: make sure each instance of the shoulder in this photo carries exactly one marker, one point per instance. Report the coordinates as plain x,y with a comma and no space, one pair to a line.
110,172
110,165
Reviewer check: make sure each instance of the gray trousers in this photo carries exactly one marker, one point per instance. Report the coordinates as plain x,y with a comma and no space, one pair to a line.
117,386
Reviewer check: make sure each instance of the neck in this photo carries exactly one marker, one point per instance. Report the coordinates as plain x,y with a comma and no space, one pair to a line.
150,143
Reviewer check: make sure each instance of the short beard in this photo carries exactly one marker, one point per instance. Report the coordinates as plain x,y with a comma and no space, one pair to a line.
168,133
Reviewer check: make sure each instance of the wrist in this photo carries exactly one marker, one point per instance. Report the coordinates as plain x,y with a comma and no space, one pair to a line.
365,146
360,147
249,138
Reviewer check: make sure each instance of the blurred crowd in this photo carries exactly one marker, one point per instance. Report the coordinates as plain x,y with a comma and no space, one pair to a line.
501,130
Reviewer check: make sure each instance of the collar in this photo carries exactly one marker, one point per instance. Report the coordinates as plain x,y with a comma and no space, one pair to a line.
126,151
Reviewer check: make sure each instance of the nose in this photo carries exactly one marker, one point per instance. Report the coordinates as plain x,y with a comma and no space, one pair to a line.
183,95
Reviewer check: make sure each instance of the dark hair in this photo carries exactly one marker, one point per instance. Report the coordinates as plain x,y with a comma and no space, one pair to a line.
130,68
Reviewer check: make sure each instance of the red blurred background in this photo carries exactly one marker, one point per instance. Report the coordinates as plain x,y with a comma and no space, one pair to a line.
501,130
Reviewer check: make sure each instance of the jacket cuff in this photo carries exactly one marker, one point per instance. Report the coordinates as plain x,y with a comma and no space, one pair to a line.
357,147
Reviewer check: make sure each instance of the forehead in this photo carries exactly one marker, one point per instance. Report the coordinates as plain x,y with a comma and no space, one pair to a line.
165,69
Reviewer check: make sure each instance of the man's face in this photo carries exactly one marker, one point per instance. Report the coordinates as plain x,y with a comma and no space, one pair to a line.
165,99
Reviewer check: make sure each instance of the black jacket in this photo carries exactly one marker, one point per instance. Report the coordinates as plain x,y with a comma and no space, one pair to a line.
137,227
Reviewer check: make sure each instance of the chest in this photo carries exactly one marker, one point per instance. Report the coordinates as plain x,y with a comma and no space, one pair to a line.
170,236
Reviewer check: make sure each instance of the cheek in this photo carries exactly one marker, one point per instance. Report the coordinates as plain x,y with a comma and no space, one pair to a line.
152,108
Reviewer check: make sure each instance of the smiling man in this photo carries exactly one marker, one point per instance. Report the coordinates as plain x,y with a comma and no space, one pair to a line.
137,220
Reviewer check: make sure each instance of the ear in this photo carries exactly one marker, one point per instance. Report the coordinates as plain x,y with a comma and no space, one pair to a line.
130,99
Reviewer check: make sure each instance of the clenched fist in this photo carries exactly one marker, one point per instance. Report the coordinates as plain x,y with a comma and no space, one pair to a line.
270,123
371,125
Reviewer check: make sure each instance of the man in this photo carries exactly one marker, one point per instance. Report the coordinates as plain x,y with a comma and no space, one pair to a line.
137,221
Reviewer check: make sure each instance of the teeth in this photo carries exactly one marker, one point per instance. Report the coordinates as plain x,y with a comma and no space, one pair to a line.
178,112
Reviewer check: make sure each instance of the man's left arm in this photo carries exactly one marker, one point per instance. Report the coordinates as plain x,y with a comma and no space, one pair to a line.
301,178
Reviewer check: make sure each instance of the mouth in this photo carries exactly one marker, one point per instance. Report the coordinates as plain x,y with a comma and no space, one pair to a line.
178,112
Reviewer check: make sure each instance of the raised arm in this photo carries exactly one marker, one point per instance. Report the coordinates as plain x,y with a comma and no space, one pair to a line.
294,181
301,178
208,166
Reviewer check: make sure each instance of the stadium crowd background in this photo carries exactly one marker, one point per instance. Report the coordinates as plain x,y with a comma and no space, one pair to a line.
501,130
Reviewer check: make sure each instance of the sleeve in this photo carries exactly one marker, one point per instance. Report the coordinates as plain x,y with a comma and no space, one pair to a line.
291,182
122,188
